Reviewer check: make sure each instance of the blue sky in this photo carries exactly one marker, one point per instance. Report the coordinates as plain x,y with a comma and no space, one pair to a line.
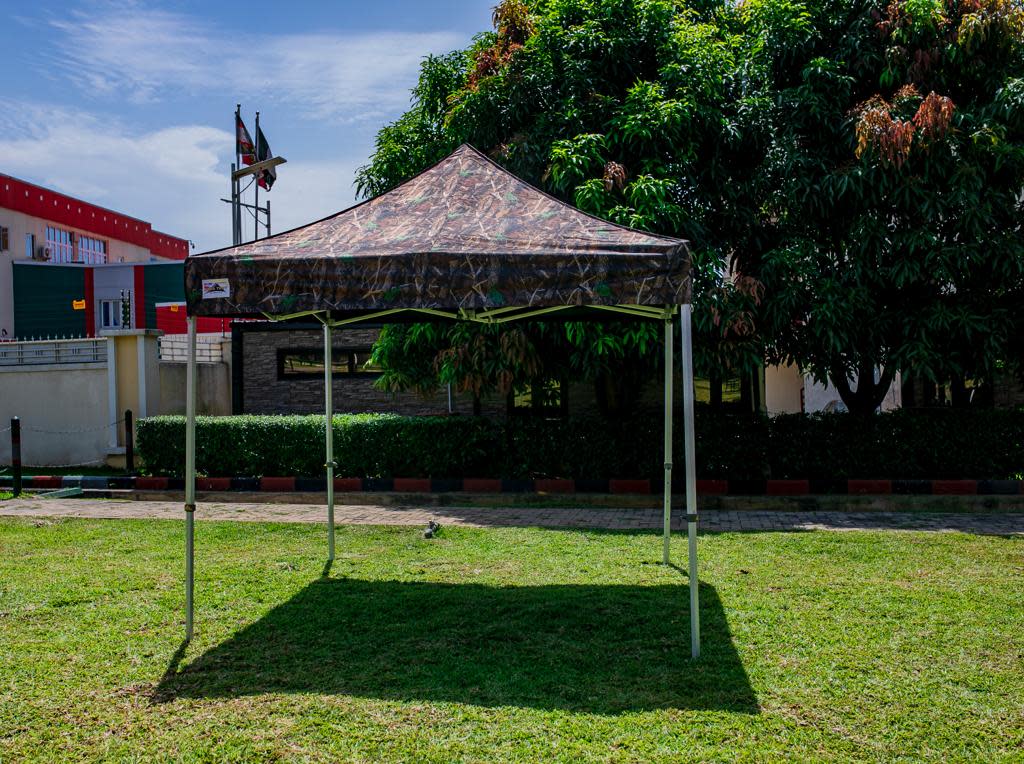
129,104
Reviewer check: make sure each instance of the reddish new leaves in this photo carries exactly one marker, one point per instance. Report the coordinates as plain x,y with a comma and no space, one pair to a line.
892,137
514,26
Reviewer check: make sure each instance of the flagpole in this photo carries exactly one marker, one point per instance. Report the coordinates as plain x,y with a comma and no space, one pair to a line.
234,204
236,209
256,185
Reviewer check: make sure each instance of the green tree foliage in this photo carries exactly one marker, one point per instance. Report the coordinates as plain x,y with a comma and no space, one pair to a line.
891,188
629,109
849,174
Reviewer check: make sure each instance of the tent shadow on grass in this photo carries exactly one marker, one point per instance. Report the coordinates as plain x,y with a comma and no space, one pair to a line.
600,649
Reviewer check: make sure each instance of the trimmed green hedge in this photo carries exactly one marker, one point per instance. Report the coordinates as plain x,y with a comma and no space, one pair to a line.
902,444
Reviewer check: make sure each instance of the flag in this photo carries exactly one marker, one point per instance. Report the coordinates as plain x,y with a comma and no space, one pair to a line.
268,176
243,141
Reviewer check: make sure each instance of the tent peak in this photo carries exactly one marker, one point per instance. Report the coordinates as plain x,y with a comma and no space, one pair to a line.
464,233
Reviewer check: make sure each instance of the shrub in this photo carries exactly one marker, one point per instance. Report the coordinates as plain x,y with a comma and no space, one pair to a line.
365,445
901,444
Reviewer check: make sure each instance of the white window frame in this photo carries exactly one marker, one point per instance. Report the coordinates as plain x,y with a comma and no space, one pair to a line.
115,313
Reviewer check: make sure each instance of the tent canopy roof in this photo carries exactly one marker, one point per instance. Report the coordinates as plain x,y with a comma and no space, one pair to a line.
464,234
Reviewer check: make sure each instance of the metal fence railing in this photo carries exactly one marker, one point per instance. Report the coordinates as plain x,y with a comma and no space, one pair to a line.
53,352
17,428
174,348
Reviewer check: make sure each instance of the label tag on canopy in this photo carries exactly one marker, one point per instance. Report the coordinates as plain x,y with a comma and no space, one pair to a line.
216,288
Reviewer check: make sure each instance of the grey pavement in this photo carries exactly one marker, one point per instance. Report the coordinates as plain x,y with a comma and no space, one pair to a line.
1003,523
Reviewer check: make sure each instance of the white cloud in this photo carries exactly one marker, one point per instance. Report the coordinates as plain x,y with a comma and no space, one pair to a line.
128,51
169,177
308,191
173,177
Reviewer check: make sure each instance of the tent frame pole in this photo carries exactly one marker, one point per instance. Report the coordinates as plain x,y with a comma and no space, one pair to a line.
190,476
691,478
329,434
643,312
667,494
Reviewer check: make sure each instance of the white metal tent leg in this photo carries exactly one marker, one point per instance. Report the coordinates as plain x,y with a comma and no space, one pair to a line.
667,530
190,474
691,479
329,436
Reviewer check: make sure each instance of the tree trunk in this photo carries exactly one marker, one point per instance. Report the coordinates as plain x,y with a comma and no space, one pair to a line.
715,393
869,394
617,392
958,393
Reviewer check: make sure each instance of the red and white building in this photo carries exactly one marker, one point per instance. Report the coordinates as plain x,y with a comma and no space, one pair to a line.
91,254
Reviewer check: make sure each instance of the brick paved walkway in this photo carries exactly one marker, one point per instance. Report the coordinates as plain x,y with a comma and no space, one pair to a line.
614,519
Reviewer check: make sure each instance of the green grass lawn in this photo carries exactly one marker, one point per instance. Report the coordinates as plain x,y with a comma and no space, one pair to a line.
506,645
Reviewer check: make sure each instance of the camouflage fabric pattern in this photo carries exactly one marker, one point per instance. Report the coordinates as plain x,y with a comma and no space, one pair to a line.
465,233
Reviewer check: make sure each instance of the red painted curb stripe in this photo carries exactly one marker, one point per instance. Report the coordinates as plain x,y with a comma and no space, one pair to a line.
713,487
955,487
554,485
862,487
542,485
788,487
415,485
277,484
213,484
629,486
151,483
348,485
481,485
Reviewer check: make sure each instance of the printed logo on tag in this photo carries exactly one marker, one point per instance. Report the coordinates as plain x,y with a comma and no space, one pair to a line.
216,288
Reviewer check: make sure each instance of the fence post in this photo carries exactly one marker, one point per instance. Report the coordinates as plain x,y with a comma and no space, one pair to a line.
129,442
16,453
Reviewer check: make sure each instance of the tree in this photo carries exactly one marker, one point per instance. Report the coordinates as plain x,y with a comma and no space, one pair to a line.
892,187
617,357
630,109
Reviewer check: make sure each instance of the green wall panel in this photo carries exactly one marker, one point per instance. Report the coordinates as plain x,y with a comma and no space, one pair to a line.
42,301
164,283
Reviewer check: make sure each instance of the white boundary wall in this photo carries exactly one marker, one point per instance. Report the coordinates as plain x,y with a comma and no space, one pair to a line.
63,410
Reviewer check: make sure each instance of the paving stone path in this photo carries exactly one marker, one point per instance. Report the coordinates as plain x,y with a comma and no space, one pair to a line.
1007,523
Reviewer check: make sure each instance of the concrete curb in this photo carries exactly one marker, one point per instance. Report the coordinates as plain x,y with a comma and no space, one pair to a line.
907,503
539,486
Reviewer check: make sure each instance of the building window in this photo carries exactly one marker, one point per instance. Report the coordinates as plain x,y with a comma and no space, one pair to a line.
30,246
308,363
91,250
110,314
545,399
61,245
5,242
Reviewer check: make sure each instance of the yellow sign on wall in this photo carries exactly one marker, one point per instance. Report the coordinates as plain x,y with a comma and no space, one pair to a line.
78,304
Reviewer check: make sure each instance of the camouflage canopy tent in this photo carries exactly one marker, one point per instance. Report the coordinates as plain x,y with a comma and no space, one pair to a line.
465,240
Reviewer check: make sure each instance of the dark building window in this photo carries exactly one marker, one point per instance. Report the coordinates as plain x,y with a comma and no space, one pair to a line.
308,363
